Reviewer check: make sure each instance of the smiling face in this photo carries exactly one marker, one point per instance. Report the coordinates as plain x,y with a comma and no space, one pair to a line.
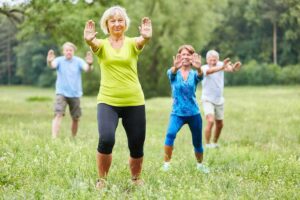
68,52
212,61
186,57
116,24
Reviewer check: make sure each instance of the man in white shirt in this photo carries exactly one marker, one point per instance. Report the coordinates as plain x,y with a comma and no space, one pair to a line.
212,94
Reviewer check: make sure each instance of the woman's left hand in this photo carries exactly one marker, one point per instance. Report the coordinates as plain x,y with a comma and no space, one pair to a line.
146,28
196,60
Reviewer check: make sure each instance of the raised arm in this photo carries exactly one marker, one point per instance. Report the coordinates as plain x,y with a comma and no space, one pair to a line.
89,35
145,31
212,70
50,59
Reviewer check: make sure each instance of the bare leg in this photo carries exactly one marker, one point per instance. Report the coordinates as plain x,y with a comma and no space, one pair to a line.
218,129
200,166
103,164
135,165
199,157
74,127
56,125
168,153
209,125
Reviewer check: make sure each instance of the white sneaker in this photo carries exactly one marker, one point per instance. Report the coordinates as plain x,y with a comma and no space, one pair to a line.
209,146
166,166
202,168
215,145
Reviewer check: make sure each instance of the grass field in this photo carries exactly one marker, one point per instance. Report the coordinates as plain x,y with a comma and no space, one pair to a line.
259,156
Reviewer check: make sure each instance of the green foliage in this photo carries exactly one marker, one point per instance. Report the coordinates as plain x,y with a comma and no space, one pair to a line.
31,62
91,81
254,73
38,99
7,56
246,31
290,75
248,164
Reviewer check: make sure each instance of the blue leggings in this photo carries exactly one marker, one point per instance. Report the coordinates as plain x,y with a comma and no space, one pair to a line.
195,124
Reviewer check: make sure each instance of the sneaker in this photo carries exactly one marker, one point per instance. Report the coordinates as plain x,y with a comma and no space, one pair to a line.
202,168
215,145
209,146
166,166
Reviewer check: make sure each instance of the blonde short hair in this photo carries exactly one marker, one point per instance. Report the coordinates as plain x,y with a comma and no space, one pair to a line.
213,53
69,44
189,48
111,12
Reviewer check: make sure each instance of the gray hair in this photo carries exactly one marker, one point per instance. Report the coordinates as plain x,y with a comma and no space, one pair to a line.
111,12
69,44
212,53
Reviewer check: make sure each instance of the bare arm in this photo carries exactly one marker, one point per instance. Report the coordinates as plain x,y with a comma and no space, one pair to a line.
146,33
89,35
212,70
50,59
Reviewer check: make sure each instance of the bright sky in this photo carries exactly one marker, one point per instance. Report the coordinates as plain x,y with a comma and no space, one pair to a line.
12,2
16,2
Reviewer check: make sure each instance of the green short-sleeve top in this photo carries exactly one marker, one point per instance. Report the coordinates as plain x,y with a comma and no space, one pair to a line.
119,85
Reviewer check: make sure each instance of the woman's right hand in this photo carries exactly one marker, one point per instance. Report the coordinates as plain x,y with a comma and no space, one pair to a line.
89,31
177,61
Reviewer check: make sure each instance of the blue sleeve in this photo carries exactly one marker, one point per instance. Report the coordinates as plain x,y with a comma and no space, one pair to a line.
82,63
57,60
171,76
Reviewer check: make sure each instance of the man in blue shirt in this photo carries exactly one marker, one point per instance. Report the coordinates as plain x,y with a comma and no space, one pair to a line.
68,84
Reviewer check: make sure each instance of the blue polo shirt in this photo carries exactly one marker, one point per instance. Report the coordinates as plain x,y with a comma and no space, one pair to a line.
68,82
184,93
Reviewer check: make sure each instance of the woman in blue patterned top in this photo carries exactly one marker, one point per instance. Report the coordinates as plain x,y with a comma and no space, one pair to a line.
185,109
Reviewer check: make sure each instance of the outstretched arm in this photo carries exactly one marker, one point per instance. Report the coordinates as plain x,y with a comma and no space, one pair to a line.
146,33
89,35
212,70
50,59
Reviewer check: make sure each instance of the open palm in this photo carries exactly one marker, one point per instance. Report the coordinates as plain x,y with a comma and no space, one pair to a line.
89,30
146,28
50,56
196,60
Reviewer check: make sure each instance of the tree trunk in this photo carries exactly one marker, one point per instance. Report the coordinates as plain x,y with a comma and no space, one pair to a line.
275,43
8,61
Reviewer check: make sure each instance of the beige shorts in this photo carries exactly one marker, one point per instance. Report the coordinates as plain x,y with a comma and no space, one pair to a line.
216,110
61,103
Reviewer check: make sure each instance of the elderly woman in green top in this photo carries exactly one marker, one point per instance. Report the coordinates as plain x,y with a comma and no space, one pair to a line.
120,94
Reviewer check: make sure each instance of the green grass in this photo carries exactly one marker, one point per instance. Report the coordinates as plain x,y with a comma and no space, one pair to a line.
259,156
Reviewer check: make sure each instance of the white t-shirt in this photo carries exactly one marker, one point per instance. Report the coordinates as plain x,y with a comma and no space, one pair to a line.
213,85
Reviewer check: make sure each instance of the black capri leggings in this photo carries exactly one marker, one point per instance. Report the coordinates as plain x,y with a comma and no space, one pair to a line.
134,123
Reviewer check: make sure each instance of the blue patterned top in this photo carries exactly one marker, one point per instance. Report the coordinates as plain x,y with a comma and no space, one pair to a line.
184,93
